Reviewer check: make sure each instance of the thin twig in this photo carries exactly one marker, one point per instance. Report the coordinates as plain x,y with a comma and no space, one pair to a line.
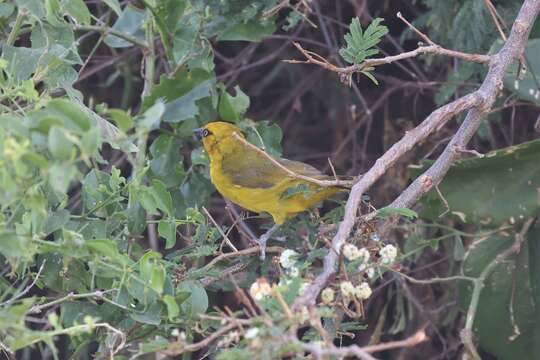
249,251
109,31
322,183
27,289
225,237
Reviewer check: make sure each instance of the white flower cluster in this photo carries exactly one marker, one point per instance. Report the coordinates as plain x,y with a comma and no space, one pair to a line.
362,291
288,258
259,289
351,252
252,333
327,296
388,254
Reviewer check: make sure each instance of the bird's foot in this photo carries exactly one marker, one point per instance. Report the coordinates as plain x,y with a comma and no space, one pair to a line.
264,238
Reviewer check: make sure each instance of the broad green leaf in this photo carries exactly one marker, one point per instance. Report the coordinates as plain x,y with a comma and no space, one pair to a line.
151,118
180,93
150,315
103,247
197,303
167,229
14,246
266,136
90,141
121,118
166,163
59,144
56,220
525,85
114,5
22,62
233,108
500,332
533,242
162,197
502,186
173,310
130,22
78,10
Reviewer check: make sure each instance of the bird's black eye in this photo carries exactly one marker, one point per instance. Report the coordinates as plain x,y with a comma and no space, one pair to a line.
205,132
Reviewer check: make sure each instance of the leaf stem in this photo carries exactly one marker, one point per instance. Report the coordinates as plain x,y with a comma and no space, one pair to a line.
17,26
108,31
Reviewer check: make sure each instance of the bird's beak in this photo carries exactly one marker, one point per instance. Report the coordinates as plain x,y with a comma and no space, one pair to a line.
198,133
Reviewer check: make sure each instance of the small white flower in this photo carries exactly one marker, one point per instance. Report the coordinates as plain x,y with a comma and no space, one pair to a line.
347,289
388,254
327,296
294,271
363,291
350,252
252,333
175,332
370,273
259,289
288,258
363,254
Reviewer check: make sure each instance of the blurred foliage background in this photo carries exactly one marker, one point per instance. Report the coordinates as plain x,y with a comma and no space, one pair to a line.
109,222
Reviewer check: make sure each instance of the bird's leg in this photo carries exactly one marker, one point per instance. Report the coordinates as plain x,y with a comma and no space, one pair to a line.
264,238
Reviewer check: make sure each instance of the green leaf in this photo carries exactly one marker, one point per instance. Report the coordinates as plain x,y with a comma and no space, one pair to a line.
254,30
360,45
56,220
388,211
233,108
121,118
173,310
90,141
22,62
167,229
181,93
14,246
103,247
502,186
268,137
197,303
150,316
59,144
78,10
166,163
526,85
162,196
533,243
114,5
505,303
157,278
130,22
151,118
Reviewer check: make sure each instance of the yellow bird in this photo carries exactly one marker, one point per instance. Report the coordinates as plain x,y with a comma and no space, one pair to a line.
249,177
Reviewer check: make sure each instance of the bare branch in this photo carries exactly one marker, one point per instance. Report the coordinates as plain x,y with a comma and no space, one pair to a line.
479,103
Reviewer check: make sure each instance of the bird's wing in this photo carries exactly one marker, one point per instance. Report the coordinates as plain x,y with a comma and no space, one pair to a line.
254,170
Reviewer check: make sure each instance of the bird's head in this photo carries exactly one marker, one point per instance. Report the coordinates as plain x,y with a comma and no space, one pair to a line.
212,134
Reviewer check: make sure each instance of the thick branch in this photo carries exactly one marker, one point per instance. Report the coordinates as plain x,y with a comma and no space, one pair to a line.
479,103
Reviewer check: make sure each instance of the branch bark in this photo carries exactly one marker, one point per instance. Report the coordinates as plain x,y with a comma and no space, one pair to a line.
478,103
